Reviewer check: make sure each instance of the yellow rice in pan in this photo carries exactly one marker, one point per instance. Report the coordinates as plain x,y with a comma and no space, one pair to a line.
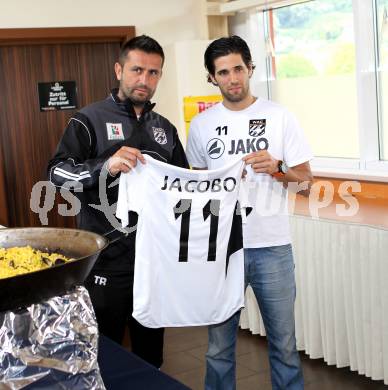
20,260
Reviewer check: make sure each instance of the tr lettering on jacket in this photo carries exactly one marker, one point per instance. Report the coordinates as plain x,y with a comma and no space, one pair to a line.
100,280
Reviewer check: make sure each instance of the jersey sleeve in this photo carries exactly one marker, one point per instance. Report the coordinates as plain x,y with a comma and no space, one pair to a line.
296,147
194,150
131,193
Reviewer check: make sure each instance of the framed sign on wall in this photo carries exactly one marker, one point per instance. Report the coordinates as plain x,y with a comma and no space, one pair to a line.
57,95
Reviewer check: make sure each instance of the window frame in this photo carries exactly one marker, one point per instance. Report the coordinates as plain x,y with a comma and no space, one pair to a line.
369,166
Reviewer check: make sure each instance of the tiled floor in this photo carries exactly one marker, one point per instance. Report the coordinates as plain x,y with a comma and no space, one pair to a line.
185,360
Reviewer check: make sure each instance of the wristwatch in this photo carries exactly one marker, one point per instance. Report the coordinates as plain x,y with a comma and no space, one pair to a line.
282,169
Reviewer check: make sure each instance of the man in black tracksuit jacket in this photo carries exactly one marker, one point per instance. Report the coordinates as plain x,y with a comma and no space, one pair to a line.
100,141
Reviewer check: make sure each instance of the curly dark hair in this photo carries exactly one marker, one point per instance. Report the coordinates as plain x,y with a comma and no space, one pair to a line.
224,46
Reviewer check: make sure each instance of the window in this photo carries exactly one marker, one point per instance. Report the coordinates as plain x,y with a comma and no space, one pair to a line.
382,66
313,72
327,61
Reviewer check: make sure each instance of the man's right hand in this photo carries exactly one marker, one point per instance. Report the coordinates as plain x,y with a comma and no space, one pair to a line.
124,159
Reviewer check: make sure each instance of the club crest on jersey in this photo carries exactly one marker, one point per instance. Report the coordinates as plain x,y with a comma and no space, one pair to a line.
160,135
215,148
257,127
115,131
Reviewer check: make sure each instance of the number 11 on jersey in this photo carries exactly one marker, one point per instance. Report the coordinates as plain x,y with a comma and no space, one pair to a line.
183,209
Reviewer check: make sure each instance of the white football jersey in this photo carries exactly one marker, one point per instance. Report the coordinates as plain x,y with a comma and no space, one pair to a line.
218,136
189,265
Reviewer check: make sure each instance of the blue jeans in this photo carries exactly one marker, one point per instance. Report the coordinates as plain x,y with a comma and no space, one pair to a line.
270,272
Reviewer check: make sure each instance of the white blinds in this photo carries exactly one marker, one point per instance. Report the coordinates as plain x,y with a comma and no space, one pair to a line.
341,308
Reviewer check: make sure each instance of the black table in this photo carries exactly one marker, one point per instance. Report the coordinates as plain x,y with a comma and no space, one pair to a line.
120,370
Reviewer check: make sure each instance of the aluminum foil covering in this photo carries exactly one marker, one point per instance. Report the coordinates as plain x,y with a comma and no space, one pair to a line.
52,344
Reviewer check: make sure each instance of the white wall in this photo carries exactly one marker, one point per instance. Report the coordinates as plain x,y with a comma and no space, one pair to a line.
167,20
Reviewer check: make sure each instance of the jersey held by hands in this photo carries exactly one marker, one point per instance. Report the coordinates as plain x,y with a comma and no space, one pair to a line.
189,266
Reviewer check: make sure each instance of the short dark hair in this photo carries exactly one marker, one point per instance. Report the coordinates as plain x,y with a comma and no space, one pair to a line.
143,43
224,46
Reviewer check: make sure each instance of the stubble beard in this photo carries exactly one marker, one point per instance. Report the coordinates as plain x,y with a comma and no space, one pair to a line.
235,98
136,100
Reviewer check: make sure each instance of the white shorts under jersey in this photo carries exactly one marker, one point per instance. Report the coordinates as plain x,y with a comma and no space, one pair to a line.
218,136
189,265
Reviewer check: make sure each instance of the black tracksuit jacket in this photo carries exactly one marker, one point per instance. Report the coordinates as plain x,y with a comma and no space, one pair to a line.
94,134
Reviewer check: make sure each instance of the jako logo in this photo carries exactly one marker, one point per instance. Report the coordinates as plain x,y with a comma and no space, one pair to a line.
215,148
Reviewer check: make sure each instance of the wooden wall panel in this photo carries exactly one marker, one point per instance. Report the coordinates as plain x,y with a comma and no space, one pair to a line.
3,197
29,137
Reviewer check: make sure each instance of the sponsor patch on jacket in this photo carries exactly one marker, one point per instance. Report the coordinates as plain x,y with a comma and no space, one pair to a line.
160,135
115,131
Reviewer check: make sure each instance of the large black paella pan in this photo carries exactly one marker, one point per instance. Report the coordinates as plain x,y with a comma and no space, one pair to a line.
23,290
